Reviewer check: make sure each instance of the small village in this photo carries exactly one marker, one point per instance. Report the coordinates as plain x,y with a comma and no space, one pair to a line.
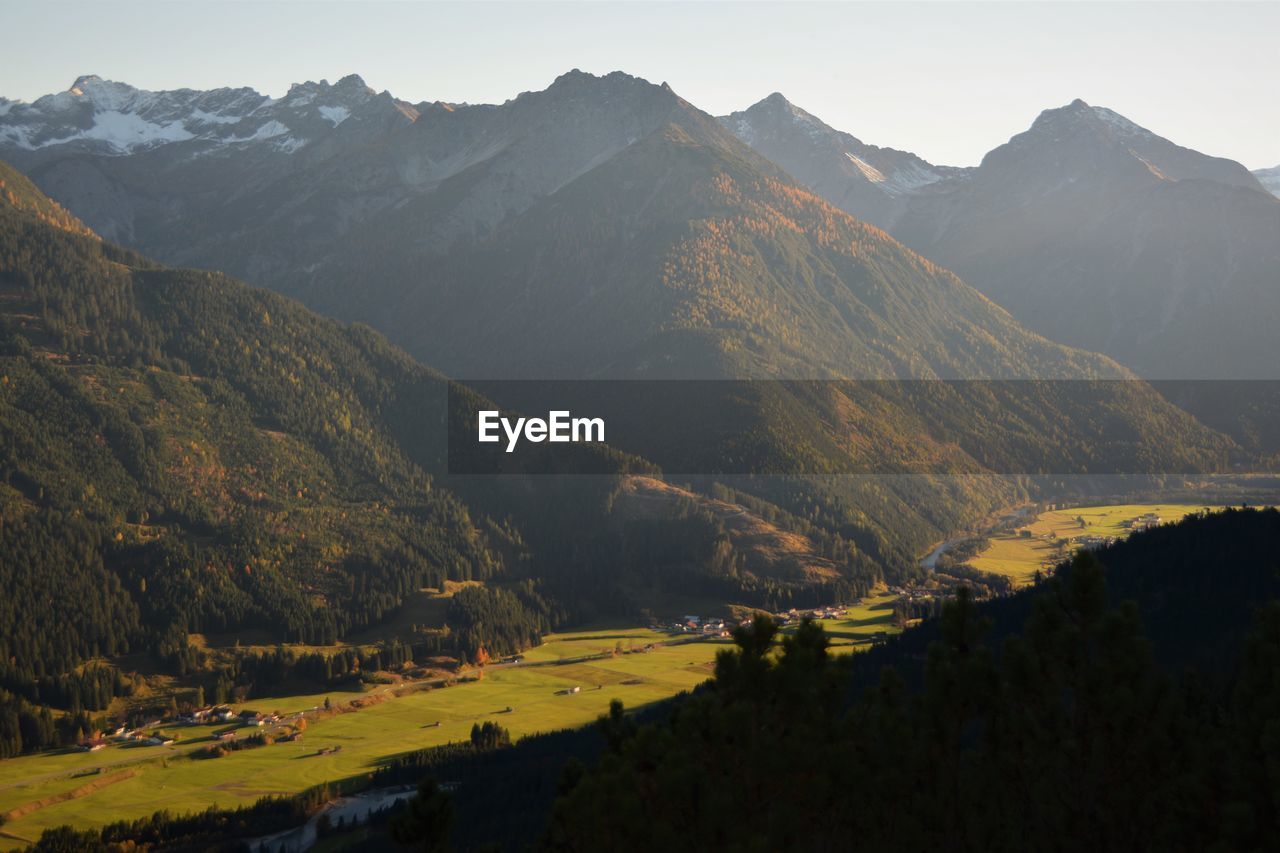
1094,542
714,626
146,733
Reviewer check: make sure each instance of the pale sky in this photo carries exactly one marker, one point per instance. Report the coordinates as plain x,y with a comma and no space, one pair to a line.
947,80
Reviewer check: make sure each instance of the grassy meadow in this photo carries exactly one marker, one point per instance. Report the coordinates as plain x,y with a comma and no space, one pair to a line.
1018,557
166,778
125,782
861,623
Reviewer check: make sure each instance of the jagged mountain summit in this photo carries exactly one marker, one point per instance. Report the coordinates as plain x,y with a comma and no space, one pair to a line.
1269,178
1080,135
1095,232
864,180
105,117
263,187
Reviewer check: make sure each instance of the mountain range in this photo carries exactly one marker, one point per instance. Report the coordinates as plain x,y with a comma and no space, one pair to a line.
196,455
242,337
607,228
604,226
1088,228
222,459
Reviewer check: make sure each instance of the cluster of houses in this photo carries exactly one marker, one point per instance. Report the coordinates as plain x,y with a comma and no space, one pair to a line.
943,587
1143,522
212,714
717,627
1133,525
692,624
224,714
125,735
790,617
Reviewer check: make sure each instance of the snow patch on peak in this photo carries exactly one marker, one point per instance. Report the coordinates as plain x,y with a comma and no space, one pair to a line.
269,130
125,131
742,128
199,116
903,179
121,131
337,115
810,123
1121,125
1079,116
288,144
769,112
871,173
913,176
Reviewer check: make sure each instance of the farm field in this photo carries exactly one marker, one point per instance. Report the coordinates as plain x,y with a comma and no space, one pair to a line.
575,644
1018,557
166,778
126,782
874,615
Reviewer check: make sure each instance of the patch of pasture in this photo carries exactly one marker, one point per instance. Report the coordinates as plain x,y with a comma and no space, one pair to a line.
525,699
1019,556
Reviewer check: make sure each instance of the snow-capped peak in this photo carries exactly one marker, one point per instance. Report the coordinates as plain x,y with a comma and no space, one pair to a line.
1122,127
1080,118
108,117
86,82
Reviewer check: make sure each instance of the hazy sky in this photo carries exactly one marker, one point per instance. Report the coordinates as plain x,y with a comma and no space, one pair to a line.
947,80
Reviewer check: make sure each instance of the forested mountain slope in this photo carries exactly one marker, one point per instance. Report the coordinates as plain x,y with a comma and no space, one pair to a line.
605,227
181,453
1072,725
181,450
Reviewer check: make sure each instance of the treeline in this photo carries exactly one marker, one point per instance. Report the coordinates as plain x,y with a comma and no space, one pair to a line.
213,829
180,453
1072,737
25,727
250,674
91,688
489,621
